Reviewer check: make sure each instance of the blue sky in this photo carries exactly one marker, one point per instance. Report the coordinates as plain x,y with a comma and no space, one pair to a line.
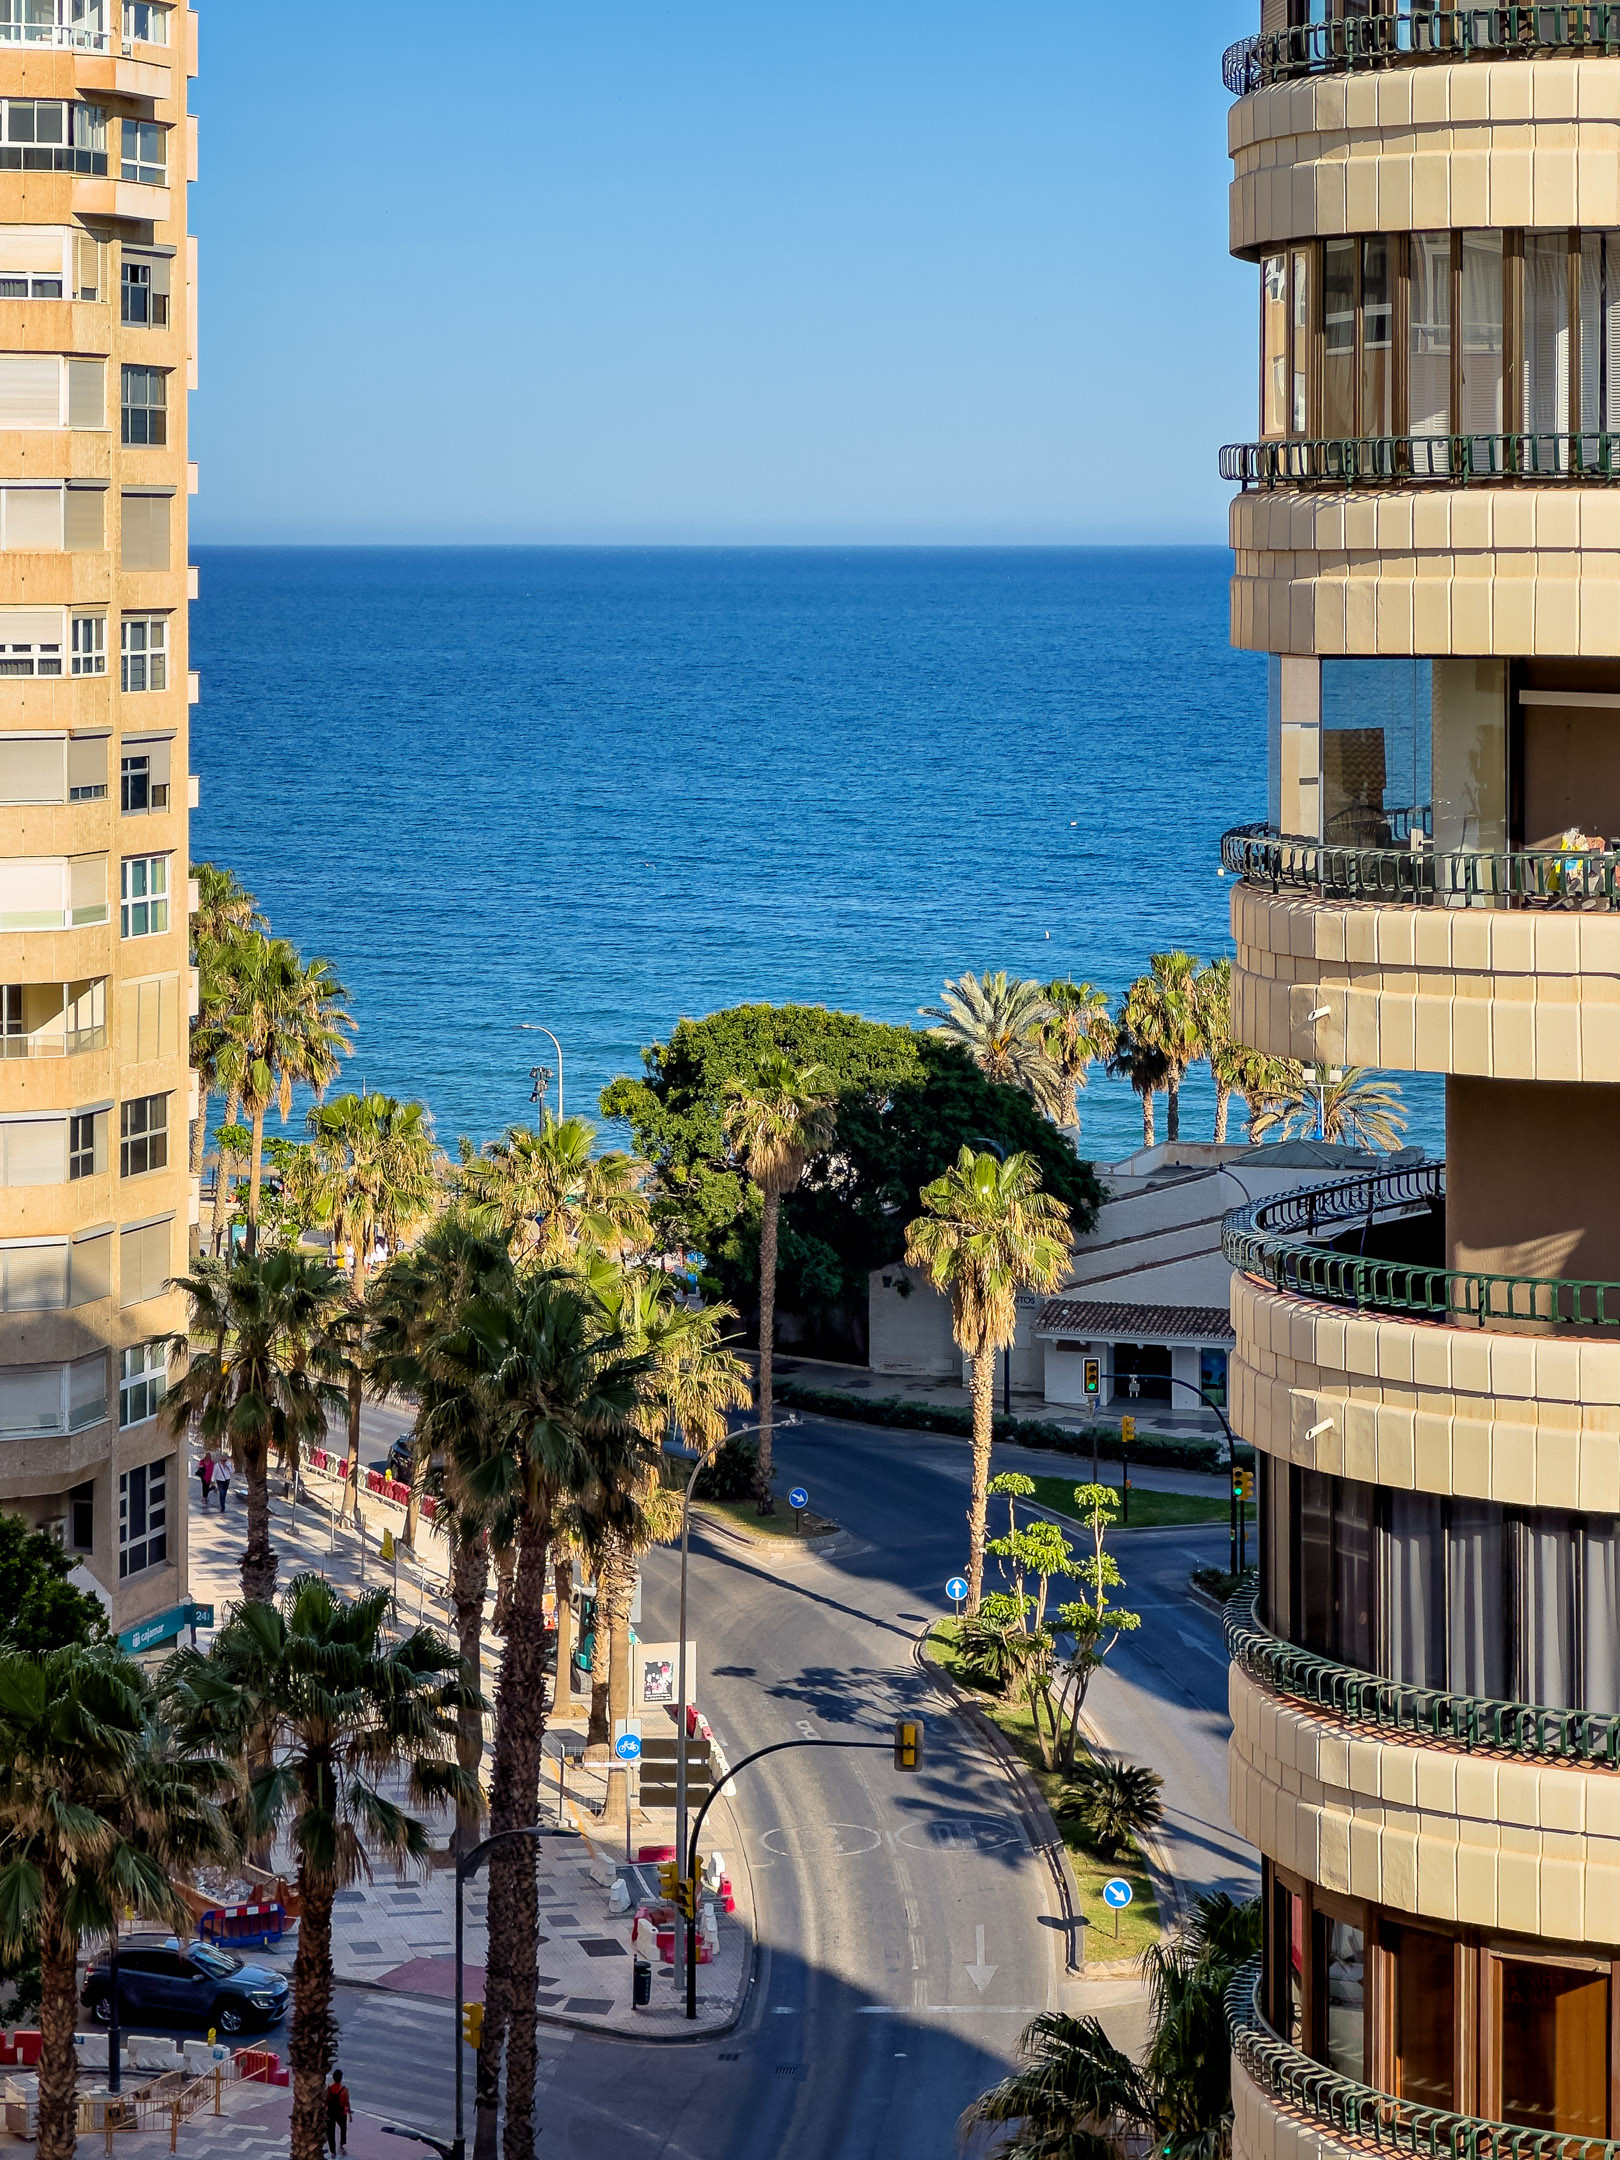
718,272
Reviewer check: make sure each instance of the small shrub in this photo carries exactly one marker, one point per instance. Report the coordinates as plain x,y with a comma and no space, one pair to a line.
1216,1583
1114,1803
732,1475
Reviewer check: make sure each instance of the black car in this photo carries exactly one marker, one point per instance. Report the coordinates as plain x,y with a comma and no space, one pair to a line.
163,1981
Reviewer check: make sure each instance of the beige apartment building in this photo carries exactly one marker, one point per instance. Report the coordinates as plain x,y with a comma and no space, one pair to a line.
1426,1692
97,350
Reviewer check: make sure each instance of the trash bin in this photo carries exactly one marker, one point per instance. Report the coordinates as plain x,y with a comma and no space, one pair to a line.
641,1983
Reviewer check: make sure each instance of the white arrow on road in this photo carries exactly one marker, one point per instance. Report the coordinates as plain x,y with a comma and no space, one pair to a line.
979,1972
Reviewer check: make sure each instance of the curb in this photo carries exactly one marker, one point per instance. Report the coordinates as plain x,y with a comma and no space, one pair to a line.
723,1527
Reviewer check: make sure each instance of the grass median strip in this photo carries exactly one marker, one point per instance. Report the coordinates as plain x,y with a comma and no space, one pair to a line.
743,1515
1150,1510
1139,1921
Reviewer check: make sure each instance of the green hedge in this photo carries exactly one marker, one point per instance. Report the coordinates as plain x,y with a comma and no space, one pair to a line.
1168,1449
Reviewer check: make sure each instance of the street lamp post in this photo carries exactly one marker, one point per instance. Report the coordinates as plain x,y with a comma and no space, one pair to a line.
530,1027
1170,1380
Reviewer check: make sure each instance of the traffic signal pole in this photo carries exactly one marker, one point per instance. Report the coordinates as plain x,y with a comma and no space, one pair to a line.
1170,1380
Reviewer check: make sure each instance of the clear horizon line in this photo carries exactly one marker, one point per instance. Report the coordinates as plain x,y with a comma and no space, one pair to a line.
798,547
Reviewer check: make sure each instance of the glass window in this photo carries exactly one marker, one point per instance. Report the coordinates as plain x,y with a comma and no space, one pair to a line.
1339,336
143,152
1141,1372
50,135
142,1383
134,783
1313,1570
1469,751
145,405
1424,1971
1300,325
87,1143
143,896
1415,1590
1554,2024
1545,344
82,1518
1600,335
1377,337
1276,1602
1286,1947
89,644
1375,751
143,1516
143,1135
1353,1573
1274,345
140,300
1476,1565
1547,1552
1212,1374
144,653
1429,351
31,658
1341,1961
1482,344
1600,1616
146,22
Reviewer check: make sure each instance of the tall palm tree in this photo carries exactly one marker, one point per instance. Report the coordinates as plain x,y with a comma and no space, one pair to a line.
344,1707
553,1193
1001,1023
1212,1008
774,1123
1258,1081
96,1808
375,1173
224,910
291,1029
986,1232
1188,2066
1162,1011
415,1300
565,1392
268,1338
1077,2098
1080,1032
1348,1107
1145,1067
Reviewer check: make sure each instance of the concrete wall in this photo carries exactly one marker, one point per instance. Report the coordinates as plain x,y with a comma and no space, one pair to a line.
911,1326
1533,1167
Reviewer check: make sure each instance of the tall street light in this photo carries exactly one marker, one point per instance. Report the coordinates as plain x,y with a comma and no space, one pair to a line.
530,1027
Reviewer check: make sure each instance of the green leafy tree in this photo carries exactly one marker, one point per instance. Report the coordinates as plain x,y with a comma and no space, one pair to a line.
1163,1010
344,1709
1002,1024
1093,1621
777,1119
42,1610
906,1101
986,1232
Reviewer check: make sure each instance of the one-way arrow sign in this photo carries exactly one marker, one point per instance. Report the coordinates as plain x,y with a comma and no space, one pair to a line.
979,1972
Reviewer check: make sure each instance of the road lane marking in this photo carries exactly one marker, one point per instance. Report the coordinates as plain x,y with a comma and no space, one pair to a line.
1193,1643
1022,2010
979,1972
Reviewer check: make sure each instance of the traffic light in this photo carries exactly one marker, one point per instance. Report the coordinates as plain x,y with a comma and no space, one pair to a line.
908,1743
1237,1486
669,1880
1127,1430
472,2024
1093,1377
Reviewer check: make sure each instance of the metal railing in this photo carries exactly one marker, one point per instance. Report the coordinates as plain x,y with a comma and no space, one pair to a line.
1274,1240
1586,1737
73,1044
1402,36
1591,456
1417,875
68,25
1362,2115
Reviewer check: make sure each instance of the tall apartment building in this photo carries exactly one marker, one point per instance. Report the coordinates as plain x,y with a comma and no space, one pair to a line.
97,349
1426,1695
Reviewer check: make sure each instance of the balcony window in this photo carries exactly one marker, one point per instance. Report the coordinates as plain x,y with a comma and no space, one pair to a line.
1342,1962
52,892
143,158
40,1400
50,516
87,1144
143,1135
139,788
55,1274
52,1020
32,262
145,22
29,656
78,25
52,135
144,405
143,896
1375,751
144,653
144,290
144,1260
142,1383
143,1517
90,646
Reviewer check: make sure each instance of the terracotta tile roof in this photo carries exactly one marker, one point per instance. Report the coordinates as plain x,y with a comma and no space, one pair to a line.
1135,1323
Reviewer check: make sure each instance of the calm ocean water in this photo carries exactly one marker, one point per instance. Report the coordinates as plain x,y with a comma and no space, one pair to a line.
600,788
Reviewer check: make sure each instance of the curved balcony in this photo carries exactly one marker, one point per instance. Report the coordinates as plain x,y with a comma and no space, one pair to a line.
1415,876
1366,2118
1279,1242
1471,1722
1327,461
1404,37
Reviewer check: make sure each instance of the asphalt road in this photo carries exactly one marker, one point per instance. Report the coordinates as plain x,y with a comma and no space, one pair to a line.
907,1931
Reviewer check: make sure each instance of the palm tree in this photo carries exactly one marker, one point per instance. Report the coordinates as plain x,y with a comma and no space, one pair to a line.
1080,1031
1347,1107
267,1339
774,1123
415,1300
1078,2098
1258,1081
291,1029
224,910
1212,1008
1116,1802
987,1231
1162,1010
1145,1067
96,1808
1001,1023
375,1173
564,1392
552,1193
343,1708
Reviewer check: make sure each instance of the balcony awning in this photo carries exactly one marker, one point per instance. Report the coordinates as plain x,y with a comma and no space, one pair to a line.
1080,1319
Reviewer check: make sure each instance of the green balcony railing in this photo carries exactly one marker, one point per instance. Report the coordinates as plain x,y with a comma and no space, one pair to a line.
1416,875
1365,2117
1277,1241
1342,461
1588,1738
1398,37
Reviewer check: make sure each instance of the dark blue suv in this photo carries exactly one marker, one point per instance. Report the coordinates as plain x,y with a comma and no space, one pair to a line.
163,1981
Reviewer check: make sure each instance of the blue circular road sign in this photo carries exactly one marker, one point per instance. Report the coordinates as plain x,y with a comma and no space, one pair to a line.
798,1497
956,1589
627,1747
1116,1892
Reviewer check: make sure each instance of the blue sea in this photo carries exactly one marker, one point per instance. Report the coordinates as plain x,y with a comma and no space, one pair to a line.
597,789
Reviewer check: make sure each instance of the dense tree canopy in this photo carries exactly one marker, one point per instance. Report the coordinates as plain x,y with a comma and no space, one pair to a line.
43,1610
905,1101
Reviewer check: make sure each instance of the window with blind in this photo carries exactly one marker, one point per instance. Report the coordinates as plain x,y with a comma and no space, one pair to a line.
33,1151
144,290
143,1261
55,1274
49,517
33,1400
145,538
52,135
87,767
149,1018
31,643
143,777
35,262
33,768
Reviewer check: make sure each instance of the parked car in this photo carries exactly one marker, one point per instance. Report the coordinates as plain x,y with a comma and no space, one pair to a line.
162,1981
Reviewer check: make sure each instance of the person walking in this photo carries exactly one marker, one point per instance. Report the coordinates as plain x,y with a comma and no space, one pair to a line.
205,1477
338,2112
222,1481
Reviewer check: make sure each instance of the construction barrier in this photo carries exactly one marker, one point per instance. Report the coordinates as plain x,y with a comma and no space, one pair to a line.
243,1926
